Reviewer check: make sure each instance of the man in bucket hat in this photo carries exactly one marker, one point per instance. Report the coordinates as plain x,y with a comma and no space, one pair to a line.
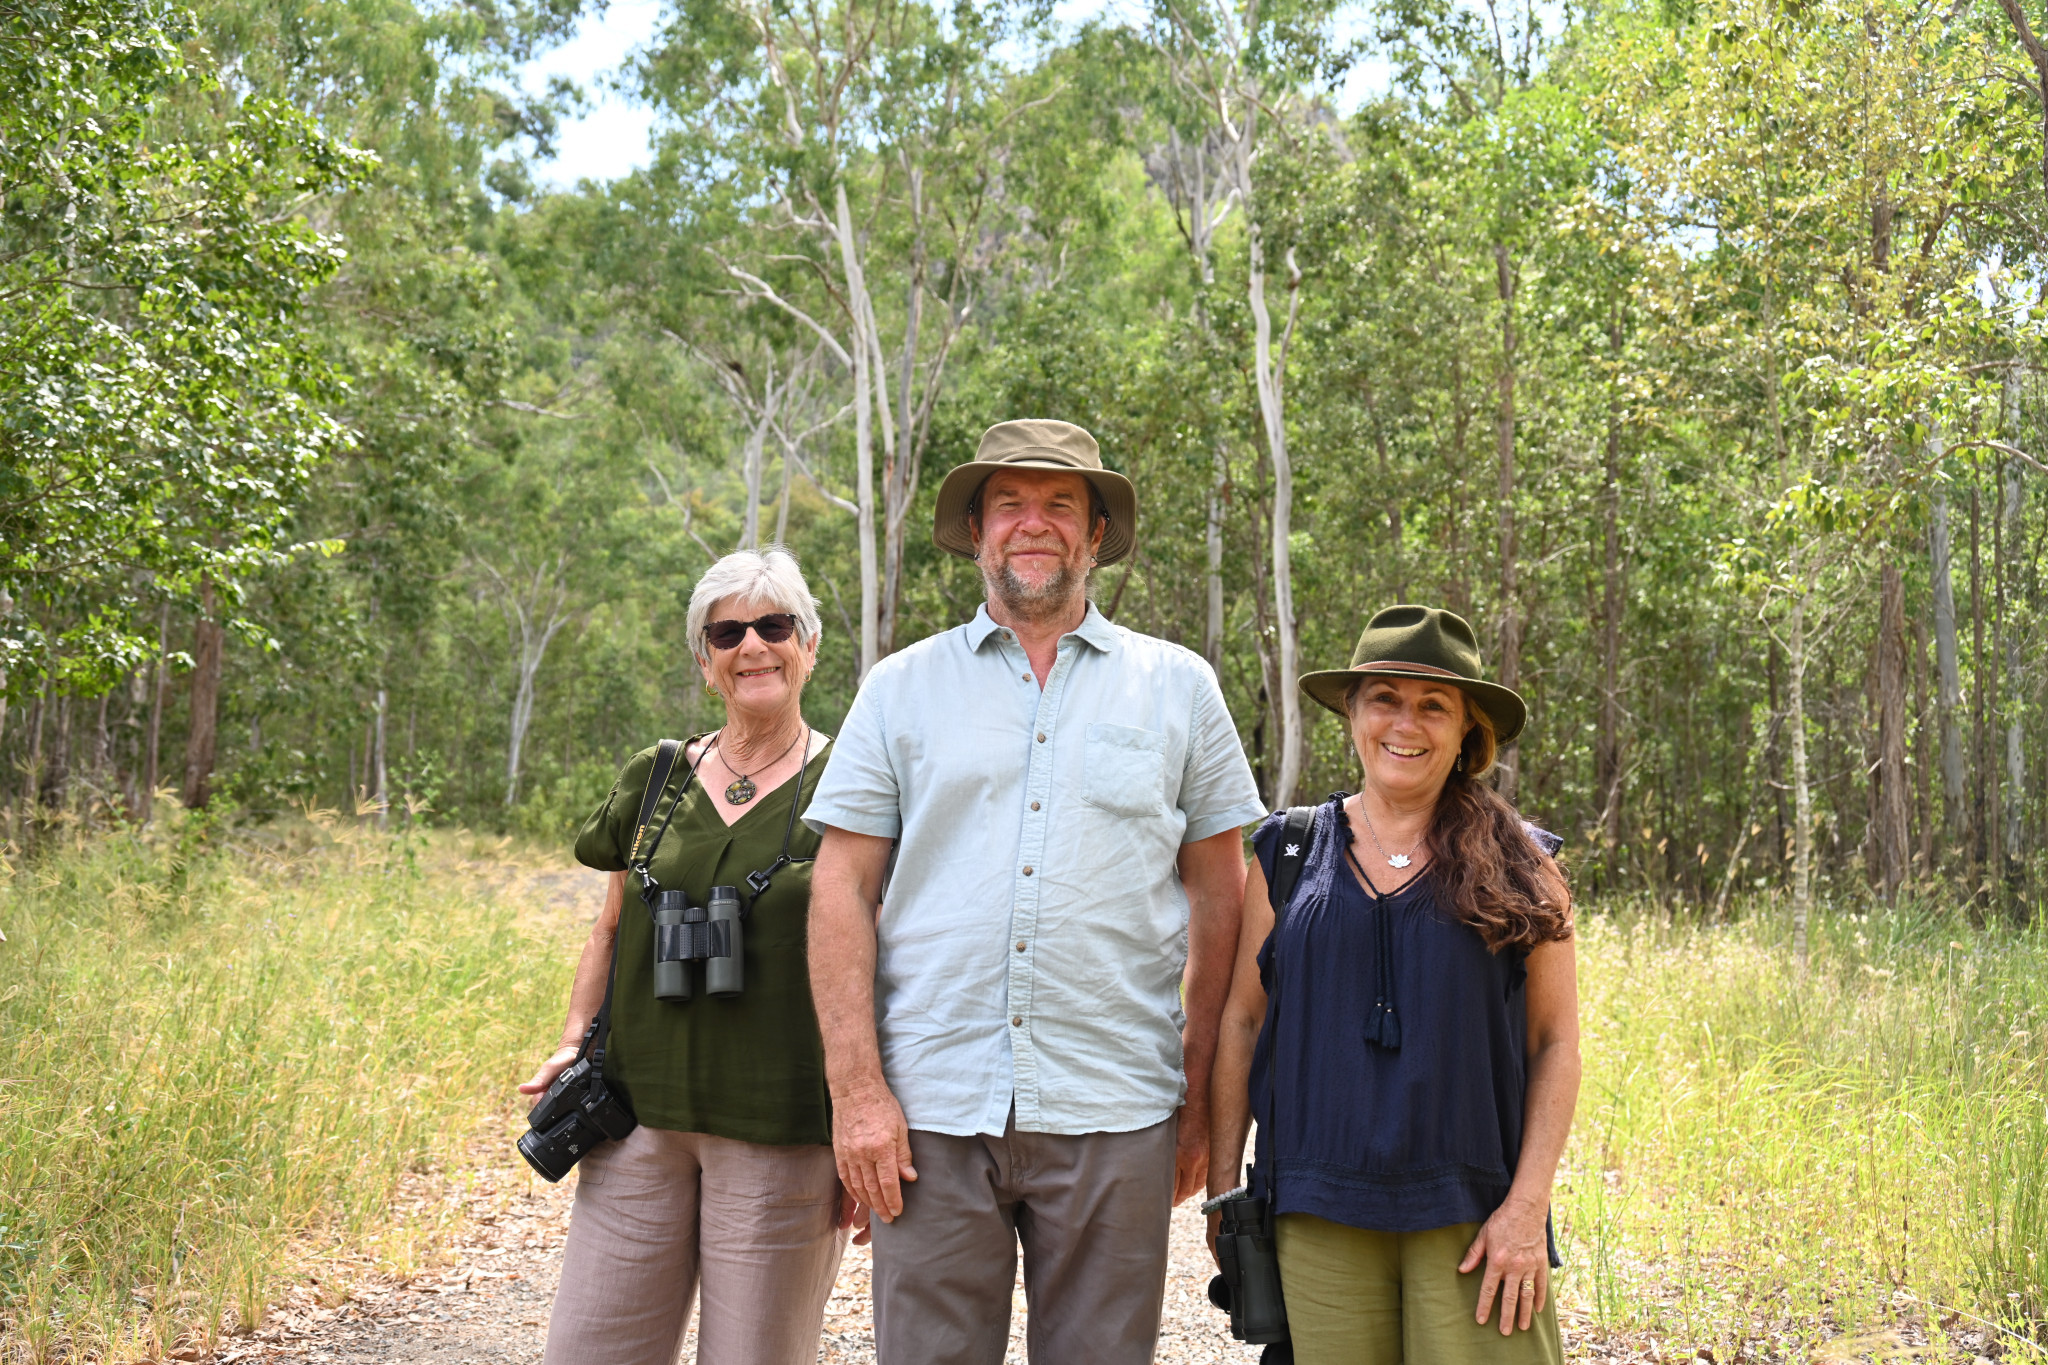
1006,1044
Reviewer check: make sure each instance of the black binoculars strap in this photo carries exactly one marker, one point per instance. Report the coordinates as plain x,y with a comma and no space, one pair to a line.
760,881
1296,833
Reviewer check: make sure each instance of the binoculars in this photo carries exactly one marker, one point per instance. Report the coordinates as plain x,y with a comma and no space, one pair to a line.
686,933
1249,1287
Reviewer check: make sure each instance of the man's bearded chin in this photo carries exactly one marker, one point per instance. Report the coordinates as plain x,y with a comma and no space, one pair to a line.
1031,600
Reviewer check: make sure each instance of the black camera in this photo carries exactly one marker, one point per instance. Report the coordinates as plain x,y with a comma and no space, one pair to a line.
686,933
1249,1287
577,1113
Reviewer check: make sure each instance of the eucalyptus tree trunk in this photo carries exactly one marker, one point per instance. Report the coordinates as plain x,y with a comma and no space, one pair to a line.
1212,623
753,457
202,729
1948,674
380,791
1607,753
2015,737
159,679
863,439
1504,450
1802,790
1894,824
535,608
1270,370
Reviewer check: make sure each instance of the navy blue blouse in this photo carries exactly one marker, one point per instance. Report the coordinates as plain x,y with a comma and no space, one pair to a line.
1395,1102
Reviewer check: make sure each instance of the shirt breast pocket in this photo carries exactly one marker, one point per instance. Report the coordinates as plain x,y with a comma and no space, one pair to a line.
1124,770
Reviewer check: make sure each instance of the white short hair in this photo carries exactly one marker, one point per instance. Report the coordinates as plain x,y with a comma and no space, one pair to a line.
768,575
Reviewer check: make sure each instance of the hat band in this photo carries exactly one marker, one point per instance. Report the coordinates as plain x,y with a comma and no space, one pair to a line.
1408,667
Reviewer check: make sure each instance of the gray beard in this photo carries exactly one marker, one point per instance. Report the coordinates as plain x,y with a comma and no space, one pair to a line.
1020,599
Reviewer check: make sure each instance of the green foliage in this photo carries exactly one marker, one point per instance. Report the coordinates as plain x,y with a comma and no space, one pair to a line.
163,399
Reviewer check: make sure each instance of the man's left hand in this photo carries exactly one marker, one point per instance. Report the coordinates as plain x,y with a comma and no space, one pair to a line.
1190,1155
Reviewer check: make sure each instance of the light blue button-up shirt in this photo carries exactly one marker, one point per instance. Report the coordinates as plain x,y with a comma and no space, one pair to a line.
1031,943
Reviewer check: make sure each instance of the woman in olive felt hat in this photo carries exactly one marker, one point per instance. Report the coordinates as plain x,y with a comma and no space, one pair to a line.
1405,1027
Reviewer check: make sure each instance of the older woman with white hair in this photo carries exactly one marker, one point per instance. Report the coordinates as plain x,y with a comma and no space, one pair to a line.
726,1189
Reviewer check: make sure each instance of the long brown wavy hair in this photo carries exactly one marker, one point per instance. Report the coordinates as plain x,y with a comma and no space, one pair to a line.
1491,874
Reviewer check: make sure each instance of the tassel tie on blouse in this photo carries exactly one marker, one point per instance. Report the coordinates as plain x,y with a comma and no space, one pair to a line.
1383,1024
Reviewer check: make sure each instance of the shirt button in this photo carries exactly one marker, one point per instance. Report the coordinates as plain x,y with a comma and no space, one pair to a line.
1041,736
1025,677
1020,945
1034,805
1016,1021
1027,870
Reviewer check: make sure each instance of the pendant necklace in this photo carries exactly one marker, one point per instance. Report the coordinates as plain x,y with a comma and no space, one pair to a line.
742,789
1393,859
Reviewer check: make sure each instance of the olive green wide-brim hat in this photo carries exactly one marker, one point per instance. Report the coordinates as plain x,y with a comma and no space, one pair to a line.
1427,643
1036,443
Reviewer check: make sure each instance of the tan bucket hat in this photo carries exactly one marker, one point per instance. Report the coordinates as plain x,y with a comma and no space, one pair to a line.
1427,643
1035,443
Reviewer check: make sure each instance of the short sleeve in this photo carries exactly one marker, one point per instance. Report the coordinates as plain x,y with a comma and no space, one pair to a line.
1216,787
602,841
859,791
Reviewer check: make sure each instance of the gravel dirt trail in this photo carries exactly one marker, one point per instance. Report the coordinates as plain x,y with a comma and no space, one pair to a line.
492,1278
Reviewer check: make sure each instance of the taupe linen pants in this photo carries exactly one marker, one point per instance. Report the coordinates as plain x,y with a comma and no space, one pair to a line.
661,1212
1091,1211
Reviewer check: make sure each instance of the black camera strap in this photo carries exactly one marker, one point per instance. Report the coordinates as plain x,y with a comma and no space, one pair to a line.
665,755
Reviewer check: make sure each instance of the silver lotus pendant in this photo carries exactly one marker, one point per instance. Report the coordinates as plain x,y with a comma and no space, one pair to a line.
1393,859
741,792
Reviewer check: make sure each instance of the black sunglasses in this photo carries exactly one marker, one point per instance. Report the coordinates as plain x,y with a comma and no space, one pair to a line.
773,629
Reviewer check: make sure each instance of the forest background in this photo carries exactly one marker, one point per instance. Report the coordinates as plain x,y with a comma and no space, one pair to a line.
1689,348
353,481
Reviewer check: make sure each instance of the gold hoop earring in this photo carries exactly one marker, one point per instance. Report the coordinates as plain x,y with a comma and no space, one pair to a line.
709,690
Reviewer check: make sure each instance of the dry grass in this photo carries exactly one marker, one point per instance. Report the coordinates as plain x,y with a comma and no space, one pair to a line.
1765,1160
217,1061
215,1051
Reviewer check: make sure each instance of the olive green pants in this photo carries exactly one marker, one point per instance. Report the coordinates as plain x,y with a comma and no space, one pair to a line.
1382,1298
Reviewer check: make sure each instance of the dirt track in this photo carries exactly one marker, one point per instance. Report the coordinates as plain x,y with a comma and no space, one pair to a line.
487,1298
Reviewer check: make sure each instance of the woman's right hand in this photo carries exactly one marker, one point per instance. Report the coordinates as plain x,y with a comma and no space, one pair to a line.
557,1062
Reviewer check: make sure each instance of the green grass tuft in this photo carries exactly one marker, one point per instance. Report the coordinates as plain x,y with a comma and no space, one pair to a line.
1764,1160
207,1054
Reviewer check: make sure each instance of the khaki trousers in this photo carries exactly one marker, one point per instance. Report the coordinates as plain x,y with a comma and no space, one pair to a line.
1091,1211
663,1216
1356,1297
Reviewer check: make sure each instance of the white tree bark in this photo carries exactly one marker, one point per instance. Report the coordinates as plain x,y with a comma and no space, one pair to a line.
1802,790
536,606
863,438
1270,371
1212,629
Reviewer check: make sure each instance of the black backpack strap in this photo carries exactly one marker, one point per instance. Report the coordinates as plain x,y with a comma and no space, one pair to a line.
1297,829
1295,833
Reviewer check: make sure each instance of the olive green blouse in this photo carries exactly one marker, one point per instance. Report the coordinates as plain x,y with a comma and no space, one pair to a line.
750,1068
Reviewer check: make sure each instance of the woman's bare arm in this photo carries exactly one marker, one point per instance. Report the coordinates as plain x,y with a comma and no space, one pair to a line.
587,994
1513,1242
1243,1012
